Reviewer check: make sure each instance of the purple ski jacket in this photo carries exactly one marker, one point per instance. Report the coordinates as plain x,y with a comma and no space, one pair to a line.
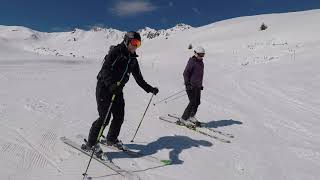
193,73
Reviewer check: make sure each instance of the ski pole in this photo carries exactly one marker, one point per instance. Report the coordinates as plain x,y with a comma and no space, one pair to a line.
142,118
100,133
169,97
175,98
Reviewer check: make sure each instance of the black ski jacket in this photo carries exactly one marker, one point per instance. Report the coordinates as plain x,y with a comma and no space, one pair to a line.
118,64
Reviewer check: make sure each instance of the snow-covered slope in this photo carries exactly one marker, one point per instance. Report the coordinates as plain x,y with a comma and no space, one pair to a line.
260,86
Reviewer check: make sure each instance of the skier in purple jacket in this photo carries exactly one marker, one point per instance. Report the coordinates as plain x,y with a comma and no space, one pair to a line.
193,77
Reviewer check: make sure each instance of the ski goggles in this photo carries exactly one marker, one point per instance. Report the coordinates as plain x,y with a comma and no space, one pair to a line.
135,42
201,54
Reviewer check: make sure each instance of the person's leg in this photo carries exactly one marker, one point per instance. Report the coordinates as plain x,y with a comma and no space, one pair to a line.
187,111
103,103
118,117
196,96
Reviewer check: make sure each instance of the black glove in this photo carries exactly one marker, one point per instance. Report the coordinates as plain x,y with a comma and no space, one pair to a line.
115,88
188,87
154,90
201,88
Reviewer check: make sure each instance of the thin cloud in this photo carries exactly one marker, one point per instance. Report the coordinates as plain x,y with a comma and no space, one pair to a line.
196,10
127,8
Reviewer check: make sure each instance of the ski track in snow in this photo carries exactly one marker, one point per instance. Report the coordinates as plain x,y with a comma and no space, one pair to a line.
253,91
289,102
19,156
306,154
41,152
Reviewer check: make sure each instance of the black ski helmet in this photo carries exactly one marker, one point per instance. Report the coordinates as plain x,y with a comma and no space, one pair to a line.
131,35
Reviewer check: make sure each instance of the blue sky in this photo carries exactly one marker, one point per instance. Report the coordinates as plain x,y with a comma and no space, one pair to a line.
64,15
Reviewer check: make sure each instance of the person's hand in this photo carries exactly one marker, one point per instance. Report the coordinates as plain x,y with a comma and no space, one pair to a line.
115,88
155,90
201,87
188,87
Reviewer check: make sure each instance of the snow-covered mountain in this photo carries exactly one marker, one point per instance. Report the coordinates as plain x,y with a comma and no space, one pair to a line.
260,86
149,33
77,43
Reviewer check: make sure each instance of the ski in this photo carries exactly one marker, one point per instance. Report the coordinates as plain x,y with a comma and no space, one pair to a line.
195,129
203,126
106,163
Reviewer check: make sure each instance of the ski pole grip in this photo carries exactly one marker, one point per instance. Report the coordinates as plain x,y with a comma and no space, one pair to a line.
114,96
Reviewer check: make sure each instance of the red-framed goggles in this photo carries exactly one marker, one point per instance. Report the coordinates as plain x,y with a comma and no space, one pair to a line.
135,42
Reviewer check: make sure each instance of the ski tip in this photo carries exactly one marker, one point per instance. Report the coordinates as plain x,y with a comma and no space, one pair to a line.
166,162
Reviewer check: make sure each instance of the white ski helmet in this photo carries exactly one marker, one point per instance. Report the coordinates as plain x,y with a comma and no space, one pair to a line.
199,50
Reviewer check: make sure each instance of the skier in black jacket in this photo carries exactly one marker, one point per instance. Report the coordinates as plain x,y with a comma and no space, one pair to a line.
118,64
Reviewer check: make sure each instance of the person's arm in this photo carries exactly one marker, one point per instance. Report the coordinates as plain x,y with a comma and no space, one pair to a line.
187,75
141,82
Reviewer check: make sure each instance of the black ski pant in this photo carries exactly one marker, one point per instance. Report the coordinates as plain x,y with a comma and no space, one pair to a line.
103,98
194,96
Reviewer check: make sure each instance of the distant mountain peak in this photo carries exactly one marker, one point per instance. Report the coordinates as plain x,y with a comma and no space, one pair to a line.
150,33
183,26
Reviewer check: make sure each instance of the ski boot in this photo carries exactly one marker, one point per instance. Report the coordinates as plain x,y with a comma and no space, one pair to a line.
194,121
96,148
117,144
186,123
